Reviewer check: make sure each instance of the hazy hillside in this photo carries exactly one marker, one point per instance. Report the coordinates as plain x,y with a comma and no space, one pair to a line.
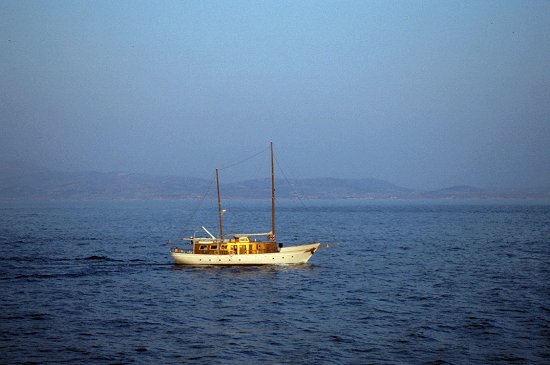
22,181
319,188
455,192
29,183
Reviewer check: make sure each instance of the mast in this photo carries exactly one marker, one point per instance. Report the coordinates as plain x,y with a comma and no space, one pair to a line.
272,193
219,205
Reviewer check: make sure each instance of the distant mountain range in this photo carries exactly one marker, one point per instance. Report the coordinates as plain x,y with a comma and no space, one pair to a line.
19,181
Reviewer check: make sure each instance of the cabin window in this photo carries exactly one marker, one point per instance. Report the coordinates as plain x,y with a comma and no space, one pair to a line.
203,247
223,247
214,247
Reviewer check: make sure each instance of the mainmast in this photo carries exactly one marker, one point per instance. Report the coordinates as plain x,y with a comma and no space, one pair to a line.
220,213
272,194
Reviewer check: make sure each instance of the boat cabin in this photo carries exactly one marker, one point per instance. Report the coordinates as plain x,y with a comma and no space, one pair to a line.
238,245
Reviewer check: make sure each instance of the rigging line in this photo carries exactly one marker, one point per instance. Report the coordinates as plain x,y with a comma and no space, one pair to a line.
201,201
243,160
298,195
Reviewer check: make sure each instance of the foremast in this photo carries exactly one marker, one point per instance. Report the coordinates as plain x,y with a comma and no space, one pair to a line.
220,212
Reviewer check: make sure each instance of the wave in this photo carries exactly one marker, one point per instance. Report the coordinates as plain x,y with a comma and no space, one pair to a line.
96,258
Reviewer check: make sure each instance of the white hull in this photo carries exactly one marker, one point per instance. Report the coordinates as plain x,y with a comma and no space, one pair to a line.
287,255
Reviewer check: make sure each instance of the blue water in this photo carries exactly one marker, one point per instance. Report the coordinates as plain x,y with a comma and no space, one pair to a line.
409,282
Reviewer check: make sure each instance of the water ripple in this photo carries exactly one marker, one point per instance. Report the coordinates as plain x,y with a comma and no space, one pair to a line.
409,283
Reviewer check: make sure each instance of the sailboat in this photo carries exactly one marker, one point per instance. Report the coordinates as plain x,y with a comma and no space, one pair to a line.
243,248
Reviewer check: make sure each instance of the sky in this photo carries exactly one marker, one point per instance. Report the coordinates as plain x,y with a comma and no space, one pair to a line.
423,94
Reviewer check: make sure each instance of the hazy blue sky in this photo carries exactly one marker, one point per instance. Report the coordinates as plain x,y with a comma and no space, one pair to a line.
424,94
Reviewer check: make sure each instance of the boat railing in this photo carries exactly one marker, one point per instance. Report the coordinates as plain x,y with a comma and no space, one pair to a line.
220,252
180,250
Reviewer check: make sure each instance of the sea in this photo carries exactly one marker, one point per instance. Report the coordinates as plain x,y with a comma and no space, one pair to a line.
408,282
